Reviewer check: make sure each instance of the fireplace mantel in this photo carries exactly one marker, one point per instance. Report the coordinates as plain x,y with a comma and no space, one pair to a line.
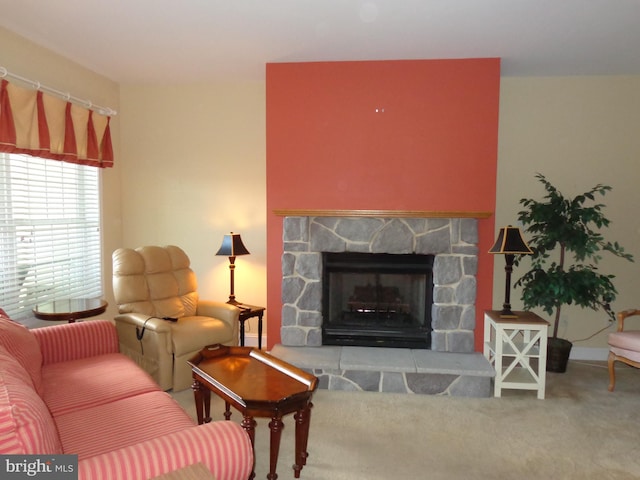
379,213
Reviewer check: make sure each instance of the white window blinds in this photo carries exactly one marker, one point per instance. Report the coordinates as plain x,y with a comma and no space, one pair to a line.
49,232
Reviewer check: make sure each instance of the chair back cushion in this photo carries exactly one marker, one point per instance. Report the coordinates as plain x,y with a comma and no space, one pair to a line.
629,340
155,281
626,344
20,343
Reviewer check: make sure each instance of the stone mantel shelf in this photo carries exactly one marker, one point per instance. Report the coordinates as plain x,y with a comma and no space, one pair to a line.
379,213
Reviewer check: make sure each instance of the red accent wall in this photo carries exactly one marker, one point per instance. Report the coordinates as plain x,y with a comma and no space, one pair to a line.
382,135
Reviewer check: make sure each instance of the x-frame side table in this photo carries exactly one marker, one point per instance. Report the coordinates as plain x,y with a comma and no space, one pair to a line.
517,349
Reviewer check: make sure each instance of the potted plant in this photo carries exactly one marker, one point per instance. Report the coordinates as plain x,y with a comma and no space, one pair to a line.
567,243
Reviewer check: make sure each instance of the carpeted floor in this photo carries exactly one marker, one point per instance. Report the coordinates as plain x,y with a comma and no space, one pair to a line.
580,431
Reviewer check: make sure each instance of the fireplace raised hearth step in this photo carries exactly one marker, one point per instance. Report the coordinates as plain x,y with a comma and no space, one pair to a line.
398,370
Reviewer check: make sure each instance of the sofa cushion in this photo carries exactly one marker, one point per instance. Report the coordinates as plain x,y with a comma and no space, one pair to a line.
26,426
103,428
23,346
8,363
92,381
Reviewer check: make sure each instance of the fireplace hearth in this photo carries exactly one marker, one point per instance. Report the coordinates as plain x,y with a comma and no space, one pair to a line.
377,300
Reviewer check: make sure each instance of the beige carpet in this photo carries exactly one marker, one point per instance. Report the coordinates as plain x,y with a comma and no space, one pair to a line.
580,431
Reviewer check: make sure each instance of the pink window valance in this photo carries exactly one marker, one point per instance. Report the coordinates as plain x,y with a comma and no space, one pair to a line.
38,124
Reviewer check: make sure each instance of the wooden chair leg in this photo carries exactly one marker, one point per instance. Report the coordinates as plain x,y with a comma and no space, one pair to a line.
612,374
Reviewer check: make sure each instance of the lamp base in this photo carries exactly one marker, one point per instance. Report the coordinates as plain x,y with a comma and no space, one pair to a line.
507,313
235,303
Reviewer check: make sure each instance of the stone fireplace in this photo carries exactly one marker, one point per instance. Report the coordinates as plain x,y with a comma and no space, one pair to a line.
453,243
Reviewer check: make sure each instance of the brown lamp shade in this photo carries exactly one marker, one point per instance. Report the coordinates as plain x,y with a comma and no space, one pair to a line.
510,242
232,246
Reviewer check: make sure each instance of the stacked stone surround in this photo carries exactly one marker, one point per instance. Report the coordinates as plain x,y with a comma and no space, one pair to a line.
452,241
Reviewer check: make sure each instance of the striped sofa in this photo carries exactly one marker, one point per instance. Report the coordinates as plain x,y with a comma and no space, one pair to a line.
67,389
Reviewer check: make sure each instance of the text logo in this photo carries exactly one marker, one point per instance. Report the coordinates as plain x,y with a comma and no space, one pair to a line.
50,467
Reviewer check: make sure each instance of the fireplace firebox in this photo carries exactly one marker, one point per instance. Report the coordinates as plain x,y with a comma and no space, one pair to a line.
377,299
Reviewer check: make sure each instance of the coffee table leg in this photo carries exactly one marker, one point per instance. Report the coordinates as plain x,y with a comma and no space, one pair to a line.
249,425
303,420
227,411
276,426
202,397
207,403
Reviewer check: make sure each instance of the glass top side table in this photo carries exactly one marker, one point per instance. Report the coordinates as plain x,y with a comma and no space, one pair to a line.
70,309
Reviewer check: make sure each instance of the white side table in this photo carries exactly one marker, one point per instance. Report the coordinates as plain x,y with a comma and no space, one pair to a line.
517,349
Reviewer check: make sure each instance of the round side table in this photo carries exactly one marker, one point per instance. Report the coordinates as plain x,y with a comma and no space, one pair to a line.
70,309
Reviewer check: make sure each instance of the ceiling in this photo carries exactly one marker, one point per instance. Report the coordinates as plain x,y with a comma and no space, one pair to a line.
170,41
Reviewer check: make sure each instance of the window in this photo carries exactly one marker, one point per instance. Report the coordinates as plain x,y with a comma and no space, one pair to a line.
49,232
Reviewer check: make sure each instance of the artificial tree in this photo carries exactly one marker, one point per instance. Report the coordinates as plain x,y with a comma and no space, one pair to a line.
570,230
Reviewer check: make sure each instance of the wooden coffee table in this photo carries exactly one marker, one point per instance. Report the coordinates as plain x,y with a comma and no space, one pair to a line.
257,385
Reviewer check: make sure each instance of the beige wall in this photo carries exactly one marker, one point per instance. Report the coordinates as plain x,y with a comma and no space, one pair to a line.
36,63
577,131
194,169
190,166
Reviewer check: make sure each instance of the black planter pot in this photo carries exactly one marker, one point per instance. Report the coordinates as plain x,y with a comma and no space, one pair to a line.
558,351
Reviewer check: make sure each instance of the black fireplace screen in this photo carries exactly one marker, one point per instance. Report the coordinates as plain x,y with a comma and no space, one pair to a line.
377,300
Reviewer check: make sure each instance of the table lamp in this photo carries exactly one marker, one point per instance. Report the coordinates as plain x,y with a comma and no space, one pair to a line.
231,247
509,243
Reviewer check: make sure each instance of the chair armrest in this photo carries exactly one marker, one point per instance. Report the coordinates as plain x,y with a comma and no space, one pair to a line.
72,341
142,320
222,446
223,311
624,314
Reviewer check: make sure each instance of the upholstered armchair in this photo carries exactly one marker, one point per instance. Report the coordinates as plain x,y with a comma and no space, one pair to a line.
624,346
162,321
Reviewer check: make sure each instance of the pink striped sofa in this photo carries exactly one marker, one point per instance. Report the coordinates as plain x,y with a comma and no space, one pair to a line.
67,389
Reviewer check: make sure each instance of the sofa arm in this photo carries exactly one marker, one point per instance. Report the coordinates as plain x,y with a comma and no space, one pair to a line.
222,446
223,311
72,341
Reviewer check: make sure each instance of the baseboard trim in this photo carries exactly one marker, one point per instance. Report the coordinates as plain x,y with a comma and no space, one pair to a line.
251,340
589,353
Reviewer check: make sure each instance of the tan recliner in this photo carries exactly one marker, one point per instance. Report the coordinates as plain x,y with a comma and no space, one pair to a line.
151,284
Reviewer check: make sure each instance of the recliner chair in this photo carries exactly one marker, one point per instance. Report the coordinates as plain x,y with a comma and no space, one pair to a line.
154,285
